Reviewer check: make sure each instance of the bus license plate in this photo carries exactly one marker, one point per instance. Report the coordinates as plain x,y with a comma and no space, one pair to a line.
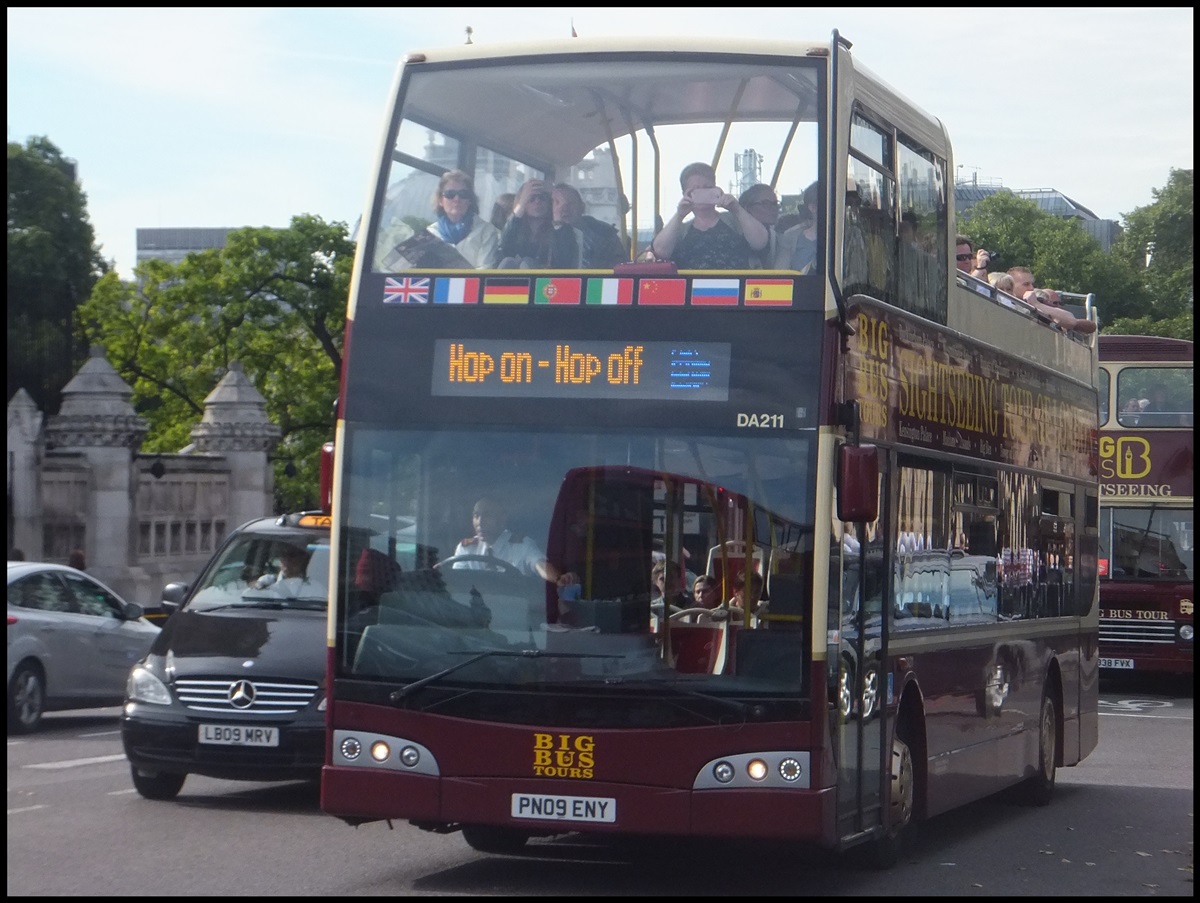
238,735
1125,664
564,808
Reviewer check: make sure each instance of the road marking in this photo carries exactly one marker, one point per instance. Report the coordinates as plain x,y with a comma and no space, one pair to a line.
121,792
73,763
102,734
1151,717
25,809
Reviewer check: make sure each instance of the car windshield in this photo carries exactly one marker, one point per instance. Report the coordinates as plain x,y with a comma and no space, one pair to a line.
267,571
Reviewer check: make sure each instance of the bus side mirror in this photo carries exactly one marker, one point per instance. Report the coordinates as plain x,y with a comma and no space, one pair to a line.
858,484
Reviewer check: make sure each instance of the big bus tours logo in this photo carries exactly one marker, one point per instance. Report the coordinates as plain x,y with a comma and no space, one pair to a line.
564,755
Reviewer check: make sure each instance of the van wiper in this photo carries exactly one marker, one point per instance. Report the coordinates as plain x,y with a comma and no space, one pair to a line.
409,689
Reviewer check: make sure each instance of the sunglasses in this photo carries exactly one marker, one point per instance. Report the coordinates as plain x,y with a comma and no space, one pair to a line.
966,257
453,193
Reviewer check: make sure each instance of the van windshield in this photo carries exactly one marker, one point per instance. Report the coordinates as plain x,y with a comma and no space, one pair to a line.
276,571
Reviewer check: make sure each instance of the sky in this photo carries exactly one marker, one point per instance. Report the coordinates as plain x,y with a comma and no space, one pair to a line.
249,117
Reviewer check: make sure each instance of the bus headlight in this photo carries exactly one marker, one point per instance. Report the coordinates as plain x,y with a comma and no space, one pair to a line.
1186,633
351,748
757,769
723,772
380,751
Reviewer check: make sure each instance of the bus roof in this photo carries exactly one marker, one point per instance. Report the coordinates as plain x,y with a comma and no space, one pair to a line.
717,45
1144,348
586,109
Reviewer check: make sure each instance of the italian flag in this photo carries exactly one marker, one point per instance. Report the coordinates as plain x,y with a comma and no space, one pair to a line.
610,291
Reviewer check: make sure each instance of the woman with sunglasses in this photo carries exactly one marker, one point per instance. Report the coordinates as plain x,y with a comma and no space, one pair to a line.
458,221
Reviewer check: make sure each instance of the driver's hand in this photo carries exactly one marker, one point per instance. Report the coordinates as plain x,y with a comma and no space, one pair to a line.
567,579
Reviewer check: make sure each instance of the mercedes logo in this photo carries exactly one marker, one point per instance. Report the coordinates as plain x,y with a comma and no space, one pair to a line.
241,694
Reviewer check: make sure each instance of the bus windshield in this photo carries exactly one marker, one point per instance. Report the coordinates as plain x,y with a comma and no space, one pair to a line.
487,524
619,135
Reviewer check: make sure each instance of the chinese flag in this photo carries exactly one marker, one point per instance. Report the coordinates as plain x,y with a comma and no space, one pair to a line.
662,291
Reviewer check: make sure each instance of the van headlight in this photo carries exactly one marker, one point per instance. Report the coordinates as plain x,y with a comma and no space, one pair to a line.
143,686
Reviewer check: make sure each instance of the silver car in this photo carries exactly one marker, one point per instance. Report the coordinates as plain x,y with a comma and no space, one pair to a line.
71,642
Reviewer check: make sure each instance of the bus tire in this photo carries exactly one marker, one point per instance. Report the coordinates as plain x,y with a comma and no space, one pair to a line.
491,839
157,785
1039,789
886,850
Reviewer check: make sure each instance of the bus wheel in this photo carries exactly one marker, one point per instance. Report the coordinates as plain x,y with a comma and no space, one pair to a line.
887,849
490,839
1039,789
157,786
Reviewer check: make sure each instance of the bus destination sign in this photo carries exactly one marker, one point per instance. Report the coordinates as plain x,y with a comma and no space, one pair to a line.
547,368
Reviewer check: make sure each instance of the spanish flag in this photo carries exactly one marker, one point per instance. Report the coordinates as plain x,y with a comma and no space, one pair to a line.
506,291
769,292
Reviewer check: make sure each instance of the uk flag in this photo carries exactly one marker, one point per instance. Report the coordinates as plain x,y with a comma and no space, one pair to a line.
406,291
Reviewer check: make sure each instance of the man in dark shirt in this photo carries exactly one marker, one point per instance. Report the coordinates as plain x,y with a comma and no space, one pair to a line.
602,247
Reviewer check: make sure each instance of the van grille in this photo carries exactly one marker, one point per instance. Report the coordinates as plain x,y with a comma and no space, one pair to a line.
258,697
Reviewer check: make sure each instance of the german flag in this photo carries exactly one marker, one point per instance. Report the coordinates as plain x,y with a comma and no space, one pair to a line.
506,291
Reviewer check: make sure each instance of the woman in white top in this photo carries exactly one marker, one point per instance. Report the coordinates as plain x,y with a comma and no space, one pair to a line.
458,221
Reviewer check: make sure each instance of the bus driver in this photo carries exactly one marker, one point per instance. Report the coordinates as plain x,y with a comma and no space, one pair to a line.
493,539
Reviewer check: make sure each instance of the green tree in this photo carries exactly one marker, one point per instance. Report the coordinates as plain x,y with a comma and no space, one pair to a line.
273,300
1157,243
1059,252
53,262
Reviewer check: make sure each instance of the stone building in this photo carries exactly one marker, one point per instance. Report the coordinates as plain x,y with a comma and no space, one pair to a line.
78,480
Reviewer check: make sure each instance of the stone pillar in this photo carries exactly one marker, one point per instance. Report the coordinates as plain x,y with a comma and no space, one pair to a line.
25,476
97,422
235,425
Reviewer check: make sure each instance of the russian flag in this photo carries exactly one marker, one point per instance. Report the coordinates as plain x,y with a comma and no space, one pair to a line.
716,292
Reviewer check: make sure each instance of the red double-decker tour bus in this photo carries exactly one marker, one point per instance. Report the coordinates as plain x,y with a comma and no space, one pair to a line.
1147,539
745,534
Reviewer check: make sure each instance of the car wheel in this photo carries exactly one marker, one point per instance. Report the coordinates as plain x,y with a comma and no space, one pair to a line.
870,692
157,785
26,698
490,839
845,693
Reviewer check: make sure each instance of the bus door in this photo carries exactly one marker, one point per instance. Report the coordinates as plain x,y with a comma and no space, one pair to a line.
858,582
